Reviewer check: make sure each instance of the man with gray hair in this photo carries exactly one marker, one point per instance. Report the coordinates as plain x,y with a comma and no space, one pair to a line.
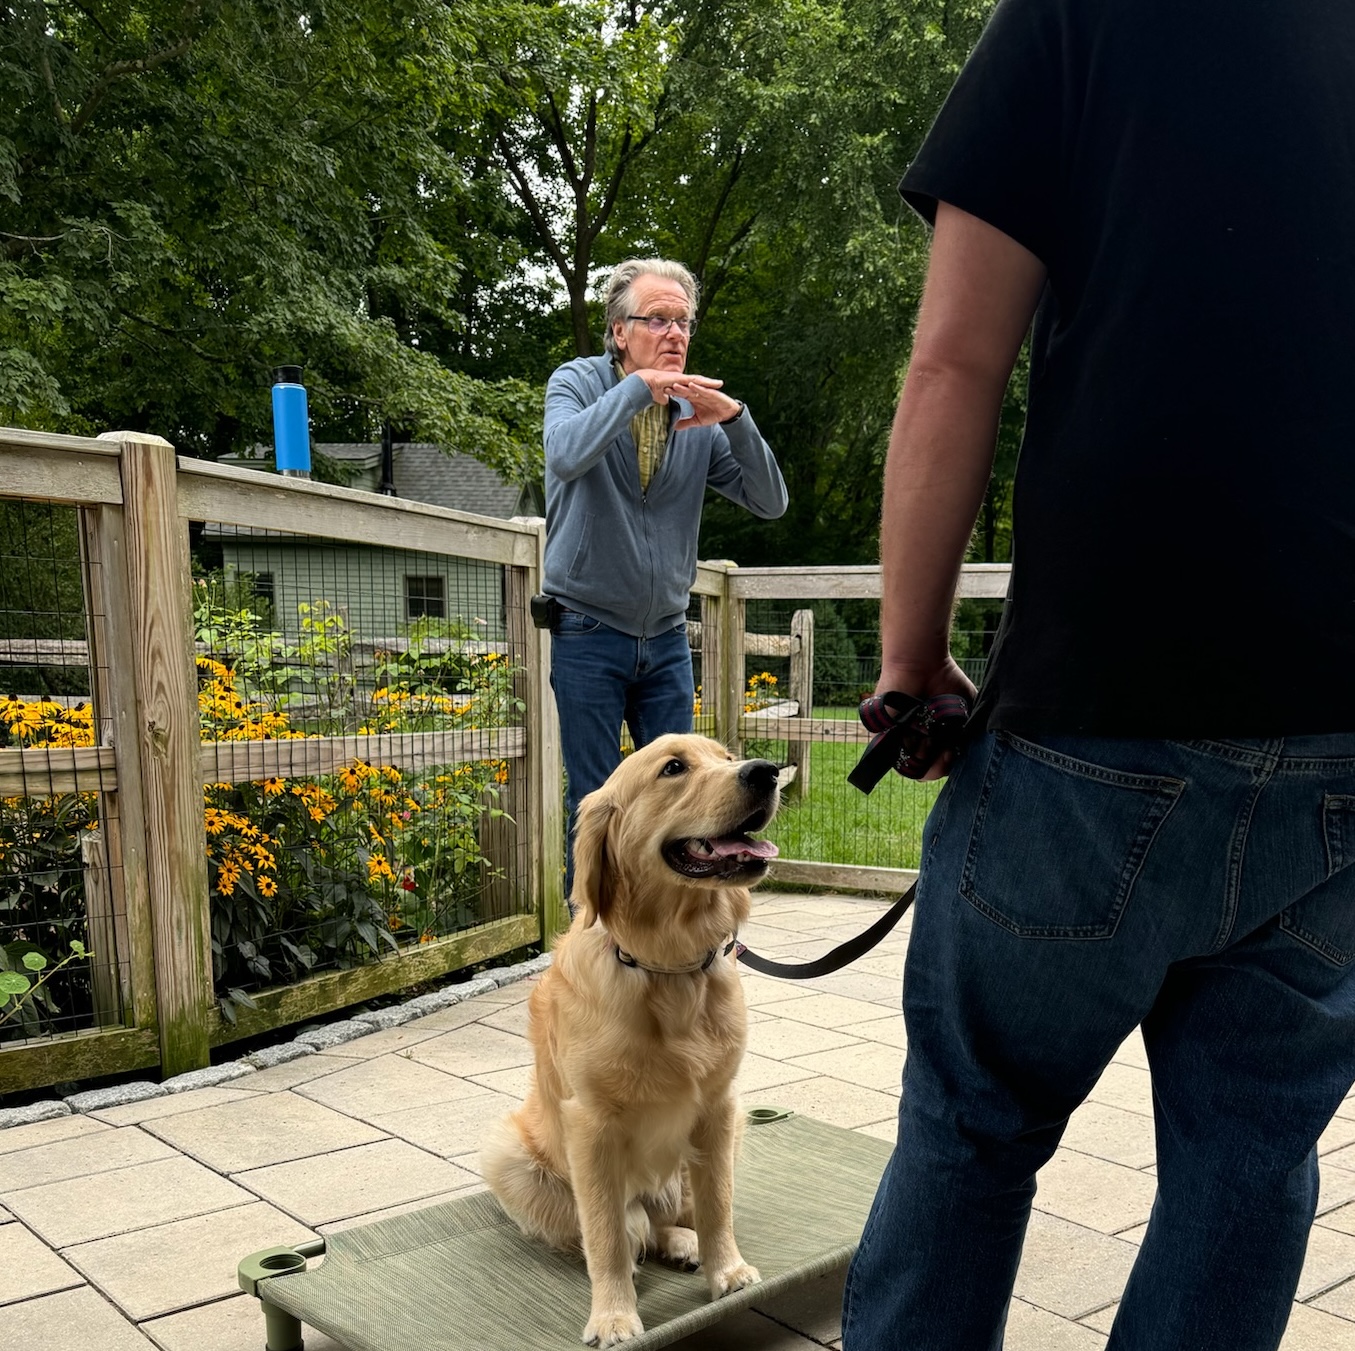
632,441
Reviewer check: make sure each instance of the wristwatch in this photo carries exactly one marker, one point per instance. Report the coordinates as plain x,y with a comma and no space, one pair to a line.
725,421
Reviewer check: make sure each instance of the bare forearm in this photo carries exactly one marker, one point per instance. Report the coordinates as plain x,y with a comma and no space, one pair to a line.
940,457
981,291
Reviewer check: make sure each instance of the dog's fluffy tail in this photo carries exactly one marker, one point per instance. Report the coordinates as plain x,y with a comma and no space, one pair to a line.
537,1199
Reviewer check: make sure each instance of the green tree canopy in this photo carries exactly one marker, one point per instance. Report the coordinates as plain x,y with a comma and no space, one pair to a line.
197,191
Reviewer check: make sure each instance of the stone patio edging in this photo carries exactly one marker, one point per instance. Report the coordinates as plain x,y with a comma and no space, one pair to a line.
314,1039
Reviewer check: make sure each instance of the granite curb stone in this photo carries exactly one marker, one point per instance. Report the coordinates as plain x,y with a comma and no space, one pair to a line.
32,1113
120,1095
268,1056
334,1034
208,1077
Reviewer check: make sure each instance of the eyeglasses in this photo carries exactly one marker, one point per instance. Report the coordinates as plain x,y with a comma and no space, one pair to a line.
658,324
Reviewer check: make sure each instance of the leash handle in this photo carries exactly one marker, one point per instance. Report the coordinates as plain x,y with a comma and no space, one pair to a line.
909,734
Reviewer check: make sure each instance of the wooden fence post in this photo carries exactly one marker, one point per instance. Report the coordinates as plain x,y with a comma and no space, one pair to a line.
544,766
729,709
117,900
800,687
160,591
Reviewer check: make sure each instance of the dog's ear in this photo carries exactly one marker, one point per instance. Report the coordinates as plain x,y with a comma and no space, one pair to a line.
591,882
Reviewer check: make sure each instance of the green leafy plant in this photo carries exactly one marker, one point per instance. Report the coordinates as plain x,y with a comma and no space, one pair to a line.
20,992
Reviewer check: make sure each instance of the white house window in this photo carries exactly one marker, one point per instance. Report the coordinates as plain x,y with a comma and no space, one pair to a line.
263,586
424,596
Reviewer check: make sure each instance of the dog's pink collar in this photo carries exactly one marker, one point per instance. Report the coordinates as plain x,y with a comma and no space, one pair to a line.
704,964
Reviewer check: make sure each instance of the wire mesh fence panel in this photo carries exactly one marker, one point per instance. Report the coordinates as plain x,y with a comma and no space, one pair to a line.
362,706
64,958
830,821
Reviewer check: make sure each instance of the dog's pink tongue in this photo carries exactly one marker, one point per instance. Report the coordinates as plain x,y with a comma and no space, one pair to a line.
741,844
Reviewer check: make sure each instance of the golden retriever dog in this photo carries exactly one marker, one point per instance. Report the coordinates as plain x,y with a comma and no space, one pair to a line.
625,1144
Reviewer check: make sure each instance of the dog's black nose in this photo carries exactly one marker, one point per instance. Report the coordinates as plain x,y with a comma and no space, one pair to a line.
759,775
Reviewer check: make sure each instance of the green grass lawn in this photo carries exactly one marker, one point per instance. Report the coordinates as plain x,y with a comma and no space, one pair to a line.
837,823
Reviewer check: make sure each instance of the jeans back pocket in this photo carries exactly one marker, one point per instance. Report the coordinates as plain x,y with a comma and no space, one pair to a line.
1324,919
1058,842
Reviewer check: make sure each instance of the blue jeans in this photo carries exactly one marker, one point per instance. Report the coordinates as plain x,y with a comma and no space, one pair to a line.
1071,891
601,676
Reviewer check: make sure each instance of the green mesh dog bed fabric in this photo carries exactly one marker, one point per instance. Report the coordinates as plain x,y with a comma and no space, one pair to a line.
460,1274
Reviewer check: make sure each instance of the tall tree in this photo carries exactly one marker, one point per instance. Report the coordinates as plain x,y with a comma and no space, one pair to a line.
761,142
196,190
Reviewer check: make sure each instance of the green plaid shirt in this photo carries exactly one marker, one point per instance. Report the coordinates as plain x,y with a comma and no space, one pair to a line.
649,427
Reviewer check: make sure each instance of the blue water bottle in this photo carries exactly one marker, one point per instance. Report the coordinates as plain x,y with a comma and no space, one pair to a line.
291,425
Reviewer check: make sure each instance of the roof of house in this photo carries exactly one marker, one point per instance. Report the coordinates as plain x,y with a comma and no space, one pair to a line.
423,472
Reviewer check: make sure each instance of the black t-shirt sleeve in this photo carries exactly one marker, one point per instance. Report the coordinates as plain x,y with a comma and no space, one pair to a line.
997,147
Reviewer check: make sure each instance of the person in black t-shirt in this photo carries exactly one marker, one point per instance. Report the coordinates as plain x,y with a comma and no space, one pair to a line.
1153,824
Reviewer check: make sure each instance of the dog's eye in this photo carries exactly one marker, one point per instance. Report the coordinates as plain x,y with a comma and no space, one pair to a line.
673,767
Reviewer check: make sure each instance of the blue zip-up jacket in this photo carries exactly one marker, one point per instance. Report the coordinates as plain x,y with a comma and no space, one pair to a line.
624,556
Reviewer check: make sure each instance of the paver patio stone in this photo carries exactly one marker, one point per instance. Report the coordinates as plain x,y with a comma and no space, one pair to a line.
1071,1270
355,1181
375,1216
852,984
514,1082
368,1088
773,1038
227,1325
761,1075
458,1015
449,1129
75,1320
827,1010
1336,1139
512,1018
120,1148
1340,1300
1330,1258
1124,1086
871,1065
84,1208
761,990
1094,1193
279,1078
1111,1133
1336,1187
813,1309
469,1053
836,1101
1132,1051
1341,1219
174,1266
746,1331
172,1104
888,1031
28,1268
385,1041
47,1132
1312,1329
882,1130
1032,1329
1102,1319
273,1128
886,959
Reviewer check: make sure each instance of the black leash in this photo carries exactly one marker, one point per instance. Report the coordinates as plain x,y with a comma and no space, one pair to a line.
840,955
909,734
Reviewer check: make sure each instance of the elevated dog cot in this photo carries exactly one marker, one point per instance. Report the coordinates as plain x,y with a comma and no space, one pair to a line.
459,1274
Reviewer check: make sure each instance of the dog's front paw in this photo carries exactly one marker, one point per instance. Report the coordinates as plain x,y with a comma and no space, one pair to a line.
678,1246
732,1278
609,1328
